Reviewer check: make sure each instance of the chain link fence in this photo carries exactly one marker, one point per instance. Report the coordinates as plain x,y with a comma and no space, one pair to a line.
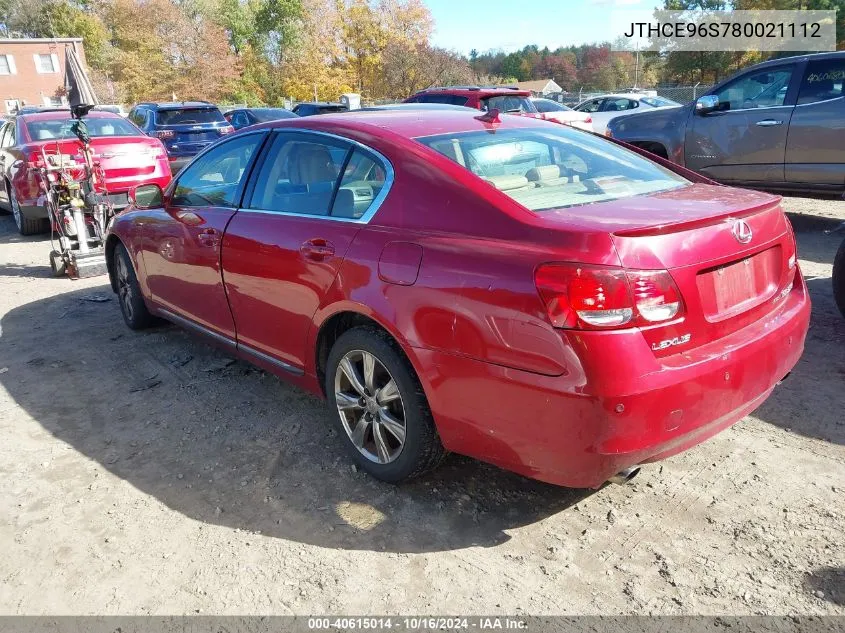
681,94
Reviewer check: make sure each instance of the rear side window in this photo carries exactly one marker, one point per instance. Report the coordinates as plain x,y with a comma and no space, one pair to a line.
619,105
822,80
189,116
441,98
508,103
214,179
554,168
299,175
49,129
362,182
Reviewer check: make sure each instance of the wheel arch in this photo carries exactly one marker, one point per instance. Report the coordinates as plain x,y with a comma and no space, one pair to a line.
342,318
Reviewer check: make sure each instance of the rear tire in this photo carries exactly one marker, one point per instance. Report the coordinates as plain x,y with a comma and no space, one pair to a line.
839,278
26,226
398,439
132,305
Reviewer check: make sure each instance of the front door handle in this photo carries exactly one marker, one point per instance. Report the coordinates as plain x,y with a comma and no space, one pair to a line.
769,122
317,249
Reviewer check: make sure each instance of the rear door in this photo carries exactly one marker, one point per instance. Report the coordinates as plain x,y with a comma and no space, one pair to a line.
745,139
181,242
815,146
309,198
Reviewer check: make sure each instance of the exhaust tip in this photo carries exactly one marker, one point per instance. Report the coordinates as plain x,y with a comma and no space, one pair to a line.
625,476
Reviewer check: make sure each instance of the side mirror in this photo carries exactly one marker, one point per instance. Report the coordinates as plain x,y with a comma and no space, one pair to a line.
146,196
707,103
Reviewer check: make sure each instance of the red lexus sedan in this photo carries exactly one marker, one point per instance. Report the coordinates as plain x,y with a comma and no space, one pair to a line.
127,156
501,287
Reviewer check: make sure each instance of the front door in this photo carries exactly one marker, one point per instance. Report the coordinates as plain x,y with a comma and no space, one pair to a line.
181,242
814,149
282,250
745,139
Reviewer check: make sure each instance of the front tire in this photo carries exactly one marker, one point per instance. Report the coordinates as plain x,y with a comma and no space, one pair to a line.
132,305
839,278
380,408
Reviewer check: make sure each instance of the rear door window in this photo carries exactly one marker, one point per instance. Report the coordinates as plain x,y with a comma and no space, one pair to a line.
590,106
823,80
189,116
299,175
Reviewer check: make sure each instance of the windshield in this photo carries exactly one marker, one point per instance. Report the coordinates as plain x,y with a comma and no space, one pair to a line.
509,103
188,116
659,102
550,169
48,129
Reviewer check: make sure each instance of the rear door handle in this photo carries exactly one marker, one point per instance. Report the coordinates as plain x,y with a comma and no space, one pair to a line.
769,122
208,237
317,249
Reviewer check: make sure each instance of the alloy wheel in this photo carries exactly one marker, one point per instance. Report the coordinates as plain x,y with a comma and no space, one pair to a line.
370,406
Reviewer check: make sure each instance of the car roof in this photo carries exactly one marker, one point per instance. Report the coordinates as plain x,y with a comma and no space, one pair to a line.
410,124
466,91
57,115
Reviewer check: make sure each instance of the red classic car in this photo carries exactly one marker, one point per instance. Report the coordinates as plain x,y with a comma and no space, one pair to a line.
127,157
501,287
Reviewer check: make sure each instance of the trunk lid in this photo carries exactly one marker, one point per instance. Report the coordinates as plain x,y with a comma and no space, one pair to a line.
731,253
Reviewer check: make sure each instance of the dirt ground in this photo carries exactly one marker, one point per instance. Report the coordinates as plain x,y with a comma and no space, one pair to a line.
150,474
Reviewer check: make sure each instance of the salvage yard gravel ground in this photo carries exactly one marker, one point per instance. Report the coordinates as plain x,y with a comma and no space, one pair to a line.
148,473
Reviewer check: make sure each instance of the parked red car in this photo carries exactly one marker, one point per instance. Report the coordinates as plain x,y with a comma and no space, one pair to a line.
127,157
526,294
508,100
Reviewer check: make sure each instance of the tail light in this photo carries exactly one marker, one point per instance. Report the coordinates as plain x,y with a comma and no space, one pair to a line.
592,297
163,133
608,134
227,129
589,119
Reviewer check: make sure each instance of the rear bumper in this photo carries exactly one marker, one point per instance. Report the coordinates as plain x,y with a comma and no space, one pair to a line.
579,429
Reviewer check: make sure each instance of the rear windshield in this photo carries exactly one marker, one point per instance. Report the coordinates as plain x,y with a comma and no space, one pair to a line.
554,168
47,129
509,103
188,116
659,102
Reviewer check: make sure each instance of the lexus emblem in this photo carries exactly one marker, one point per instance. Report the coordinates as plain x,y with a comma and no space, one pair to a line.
742,232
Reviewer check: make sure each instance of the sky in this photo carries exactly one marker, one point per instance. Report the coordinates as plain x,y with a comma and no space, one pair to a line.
462,25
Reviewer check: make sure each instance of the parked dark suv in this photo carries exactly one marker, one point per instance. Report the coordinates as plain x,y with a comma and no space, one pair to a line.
185,128
777,125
